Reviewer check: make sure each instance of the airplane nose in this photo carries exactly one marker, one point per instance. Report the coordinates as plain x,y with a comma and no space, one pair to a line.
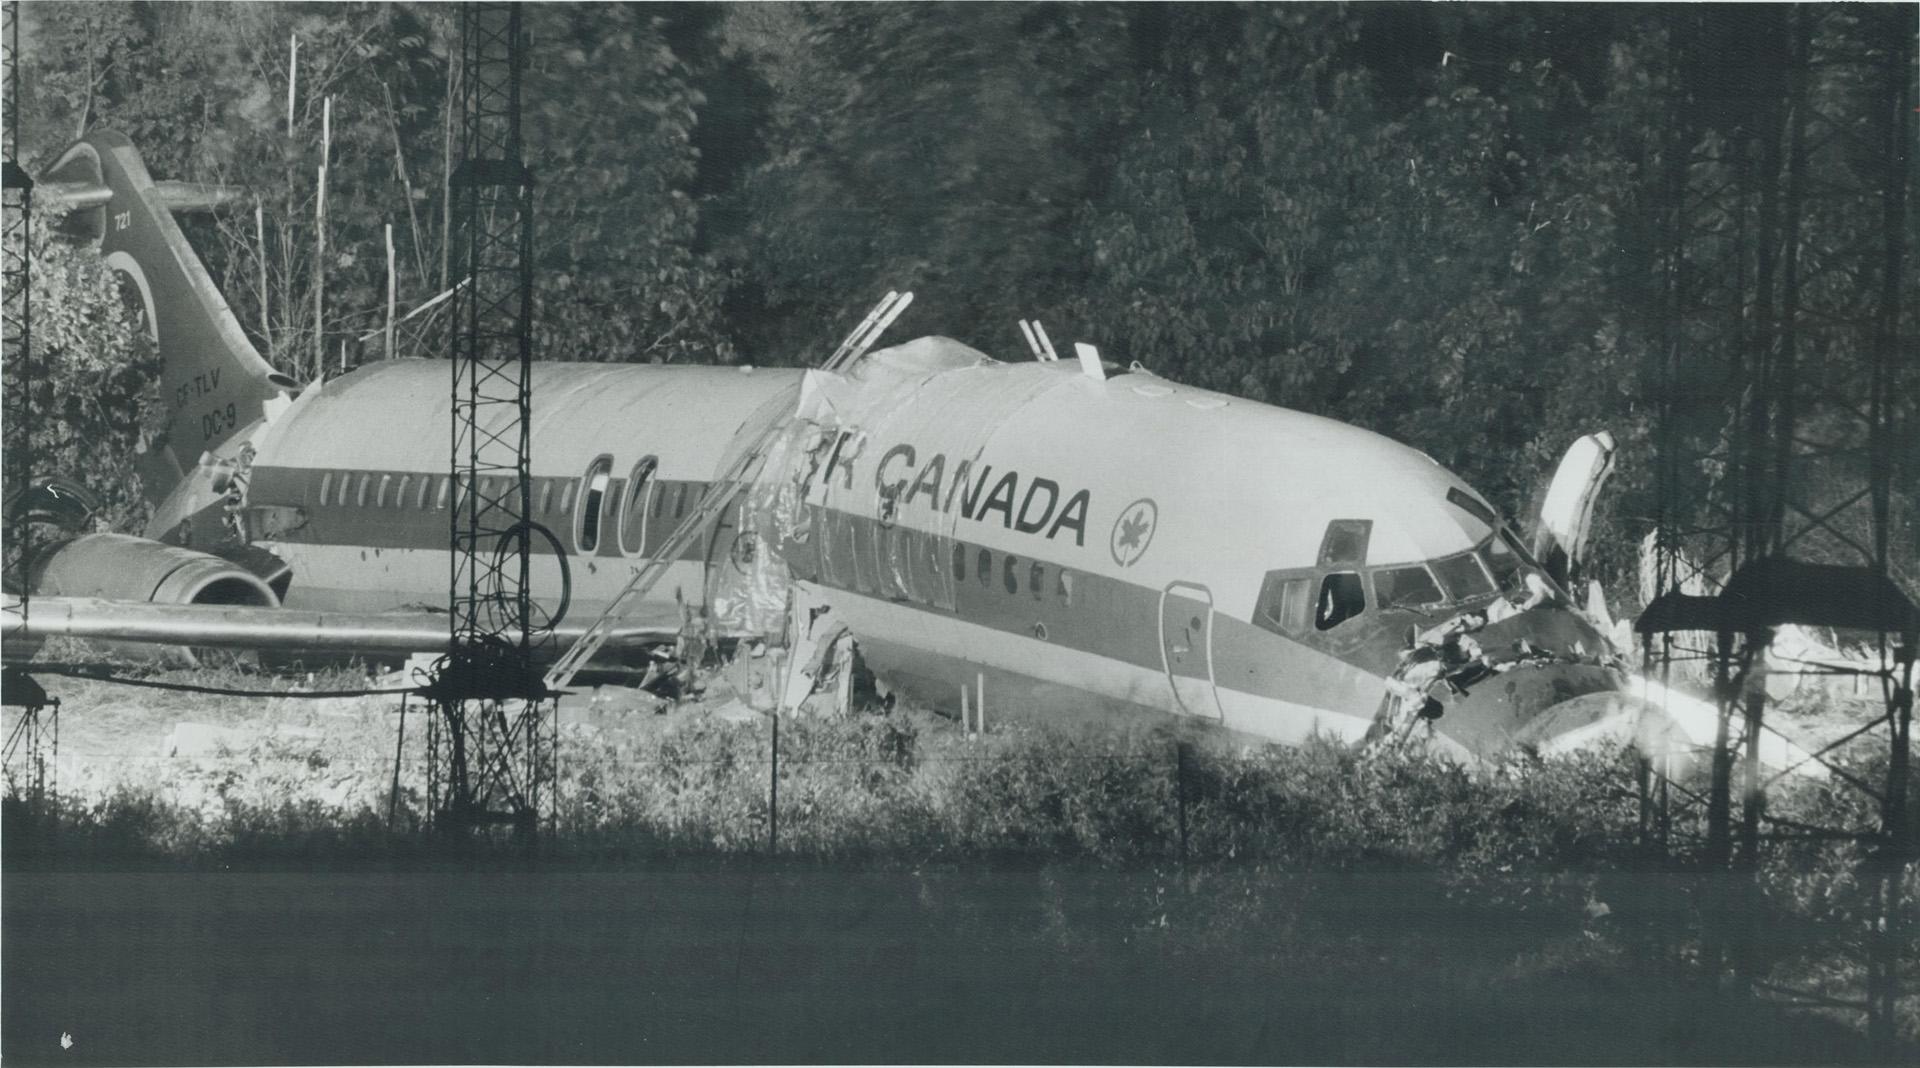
1601,718
1541,707
1547,713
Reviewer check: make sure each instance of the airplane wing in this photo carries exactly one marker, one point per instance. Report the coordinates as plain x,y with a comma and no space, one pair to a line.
252,627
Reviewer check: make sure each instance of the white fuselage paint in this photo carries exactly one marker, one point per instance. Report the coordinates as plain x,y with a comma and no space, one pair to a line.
1153,489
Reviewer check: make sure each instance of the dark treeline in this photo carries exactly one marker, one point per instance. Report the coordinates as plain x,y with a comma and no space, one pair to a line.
1483,230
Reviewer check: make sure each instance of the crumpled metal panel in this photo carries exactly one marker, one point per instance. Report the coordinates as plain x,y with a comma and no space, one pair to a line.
748,580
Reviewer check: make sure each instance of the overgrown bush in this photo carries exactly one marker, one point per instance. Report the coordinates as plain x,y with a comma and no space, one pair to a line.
1554,847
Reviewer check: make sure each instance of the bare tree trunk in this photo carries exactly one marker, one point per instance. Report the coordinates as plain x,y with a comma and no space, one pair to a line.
390,292
260,238
446,171
400,161
1786,367
293,77
86,107
320,244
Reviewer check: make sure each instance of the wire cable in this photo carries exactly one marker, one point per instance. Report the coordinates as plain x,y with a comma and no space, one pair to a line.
76,672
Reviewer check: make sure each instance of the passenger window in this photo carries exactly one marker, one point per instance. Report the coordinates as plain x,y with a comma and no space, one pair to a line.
1341,598
633,516
986,567
326,485
380,497
959,562
346,480
1405,587
1286,604
1037,581
1008,578
546,495
593,494
1064,587
566,498
440,499
1462,577
360,498
420,495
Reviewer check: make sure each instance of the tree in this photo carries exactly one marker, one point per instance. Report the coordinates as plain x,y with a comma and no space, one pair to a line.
94,378
609,121
934,147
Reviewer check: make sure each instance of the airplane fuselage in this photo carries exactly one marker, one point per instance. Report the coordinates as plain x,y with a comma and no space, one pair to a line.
1075,544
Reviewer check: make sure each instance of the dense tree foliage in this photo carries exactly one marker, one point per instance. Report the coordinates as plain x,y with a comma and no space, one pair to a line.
1481,230
94,378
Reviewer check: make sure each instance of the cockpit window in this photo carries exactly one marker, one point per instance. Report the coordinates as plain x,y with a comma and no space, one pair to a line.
1345,542
1341,598
1286,603
1502,563
1405,587
1466,503
1462,577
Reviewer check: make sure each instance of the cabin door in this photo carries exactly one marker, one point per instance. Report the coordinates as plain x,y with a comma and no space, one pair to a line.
1186,648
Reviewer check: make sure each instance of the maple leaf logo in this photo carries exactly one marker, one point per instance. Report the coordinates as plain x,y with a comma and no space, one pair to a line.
1133,532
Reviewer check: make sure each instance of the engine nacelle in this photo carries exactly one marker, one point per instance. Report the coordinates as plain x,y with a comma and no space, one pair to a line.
122,567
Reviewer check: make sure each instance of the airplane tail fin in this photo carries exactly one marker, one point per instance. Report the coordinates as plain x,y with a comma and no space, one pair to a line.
215,385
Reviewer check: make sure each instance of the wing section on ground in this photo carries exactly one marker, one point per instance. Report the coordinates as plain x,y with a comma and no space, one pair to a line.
250,627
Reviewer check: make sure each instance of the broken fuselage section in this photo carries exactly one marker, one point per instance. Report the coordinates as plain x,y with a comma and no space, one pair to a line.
1057,545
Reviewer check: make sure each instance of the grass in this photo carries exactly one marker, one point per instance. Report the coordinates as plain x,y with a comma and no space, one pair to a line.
1392,882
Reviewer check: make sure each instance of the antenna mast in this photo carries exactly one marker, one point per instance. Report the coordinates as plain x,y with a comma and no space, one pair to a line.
491,744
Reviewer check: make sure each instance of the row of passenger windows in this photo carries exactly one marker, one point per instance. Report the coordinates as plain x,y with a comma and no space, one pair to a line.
642,501
1294,603
1011,574
901,563
897,561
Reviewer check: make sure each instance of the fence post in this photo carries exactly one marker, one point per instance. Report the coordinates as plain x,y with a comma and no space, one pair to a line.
1180,793
399,751
773,794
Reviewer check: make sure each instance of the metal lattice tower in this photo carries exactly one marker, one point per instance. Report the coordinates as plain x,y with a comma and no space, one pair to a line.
19,317
32,749
30,759
1806,414
491,746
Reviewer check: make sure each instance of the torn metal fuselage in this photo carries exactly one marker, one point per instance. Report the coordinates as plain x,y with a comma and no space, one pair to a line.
1058,547
1058,537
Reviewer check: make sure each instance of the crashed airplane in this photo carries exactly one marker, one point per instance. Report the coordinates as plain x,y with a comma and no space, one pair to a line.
1056,536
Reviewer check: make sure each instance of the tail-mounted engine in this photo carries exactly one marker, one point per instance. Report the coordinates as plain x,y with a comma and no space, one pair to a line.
121,567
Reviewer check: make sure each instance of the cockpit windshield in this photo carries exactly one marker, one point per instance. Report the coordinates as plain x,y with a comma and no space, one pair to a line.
1298,601
1462,577
1405,587
1504,562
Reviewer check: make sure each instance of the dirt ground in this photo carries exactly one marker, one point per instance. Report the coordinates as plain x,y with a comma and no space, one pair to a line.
199,750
